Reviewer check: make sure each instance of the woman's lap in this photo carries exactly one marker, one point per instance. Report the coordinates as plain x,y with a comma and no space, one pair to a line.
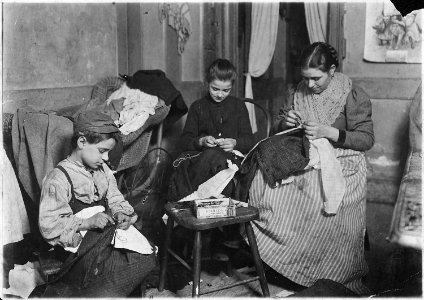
298,241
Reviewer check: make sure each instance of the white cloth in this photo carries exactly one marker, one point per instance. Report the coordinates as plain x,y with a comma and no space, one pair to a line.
214,185
130,239
316,21
323,156
262,45
85,214
137,107
23,279
15,218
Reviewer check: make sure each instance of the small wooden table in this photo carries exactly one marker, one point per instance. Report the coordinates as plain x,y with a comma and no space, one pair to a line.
187,219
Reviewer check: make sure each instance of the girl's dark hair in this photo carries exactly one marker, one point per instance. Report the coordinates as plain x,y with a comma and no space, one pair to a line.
93,137
221,69
320,56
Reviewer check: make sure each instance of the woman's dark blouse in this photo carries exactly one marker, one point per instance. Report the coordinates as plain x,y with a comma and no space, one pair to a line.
226,119
354,122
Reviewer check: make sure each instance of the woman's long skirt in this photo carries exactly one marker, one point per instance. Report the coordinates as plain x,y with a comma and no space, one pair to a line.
298,241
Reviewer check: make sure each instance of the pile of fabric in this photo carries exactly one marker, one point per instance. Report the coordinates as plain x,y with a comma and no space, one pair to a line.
42,138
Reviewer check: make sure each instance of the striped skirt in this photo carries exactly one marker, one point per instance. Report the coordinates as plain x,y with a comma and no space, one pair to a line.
298,241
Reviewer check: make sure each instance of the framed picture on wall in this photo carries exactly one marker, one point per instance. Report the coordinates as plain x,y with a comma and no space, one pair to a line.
391,37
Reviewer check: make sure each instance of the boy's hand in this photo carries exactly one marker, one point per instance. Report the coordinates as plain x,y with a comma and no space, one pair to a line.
124,221
99,221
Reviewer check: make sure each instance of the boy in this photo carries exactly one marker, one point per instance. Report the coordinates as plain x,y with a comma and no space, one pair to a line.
80,183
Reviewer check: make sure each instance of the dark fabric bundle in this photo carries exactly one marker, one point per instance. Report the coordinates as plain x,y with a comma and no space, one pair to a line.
100,270
282,155
277,157
155,82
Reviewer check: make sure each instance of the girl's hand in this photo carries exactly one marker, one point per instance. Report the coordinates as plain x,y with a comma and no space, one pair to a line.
124,221
227,144
98,221
293,118
207,141
315,131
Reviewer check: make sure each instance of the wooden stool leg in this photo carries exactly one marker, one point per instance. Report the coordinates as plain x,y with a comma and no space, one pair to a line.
164,261
257,259
197,258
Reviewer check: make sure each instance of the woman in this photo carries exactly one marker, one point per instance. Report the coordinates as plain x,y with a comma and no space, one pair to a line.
216,125
294,236
79,184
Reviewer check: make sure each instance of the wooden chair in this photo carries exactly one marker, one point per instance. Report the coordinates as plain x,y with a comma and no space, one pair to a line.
265,112
186,218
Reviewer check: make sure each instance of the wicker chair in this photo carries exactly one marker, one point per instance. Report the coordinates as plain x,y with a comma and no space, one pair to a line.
137,143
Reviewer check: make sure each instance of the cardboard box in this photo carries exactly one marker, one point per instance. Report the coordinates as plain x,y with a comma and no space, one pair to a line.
214,208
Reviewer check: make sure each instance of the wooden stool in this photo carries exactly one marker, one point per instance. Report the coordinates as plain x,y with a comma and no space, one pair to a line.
186,218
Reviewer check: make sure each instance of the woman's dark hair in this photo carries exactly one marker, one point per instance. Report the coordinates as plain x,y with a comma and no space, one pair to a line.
320,56
221,69
93,137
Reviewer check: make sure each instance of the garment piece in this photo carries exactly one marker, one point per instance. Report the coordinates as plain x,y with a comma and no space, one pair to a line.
278,157
281,156
85,214
40,141
155,82
99,270
89,187
137,107
354,118
226,119
15,217
333,182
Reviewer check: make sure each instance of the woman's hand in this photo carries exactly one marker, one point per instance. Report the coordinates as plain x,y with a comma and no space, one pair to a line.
227,144
293,118
124,221
315,131
207,141
98,221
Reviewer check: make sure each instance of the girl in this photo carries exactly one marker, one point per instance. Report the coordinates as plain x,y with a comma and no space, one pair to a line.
216,124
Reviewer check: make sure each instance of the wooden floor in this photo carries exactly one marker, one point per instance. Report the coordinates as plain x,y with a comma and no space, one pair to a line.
209,281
